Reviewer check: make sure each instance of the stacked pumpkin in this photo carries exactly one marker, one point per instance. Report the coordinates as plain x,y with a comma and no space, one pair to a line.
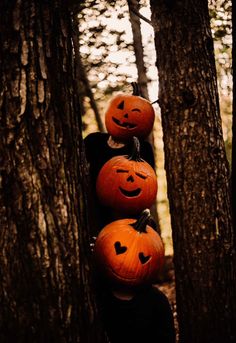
129,251
127,184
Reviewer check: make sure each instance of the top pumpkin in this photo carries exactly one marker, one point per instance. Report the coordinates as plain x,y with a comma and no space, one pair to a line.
128,116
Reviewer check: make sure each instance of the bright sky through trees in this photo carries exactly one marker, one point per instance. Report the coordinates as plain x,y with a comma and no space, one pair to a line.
106,47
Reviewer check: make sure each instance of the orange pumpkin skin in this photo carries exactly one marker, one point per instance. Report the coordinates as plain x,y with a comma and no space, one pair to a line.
129,115
127,256
126,185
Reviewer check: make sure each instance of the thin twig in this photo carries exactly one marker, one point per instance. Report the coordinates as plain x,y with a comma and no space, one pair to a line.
141,16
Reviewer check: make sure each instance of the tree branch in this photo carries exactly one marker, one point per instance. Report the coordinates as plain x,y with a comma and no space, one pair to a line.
141,16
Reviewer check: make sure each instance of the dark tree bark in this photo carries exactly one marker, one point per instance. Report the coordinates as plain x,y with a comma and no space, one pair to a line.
197,172
234,118
45,284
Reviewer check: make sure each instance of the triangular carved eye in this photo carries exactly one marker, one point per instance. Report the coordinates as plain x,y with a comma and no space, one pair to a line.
121,105
143,259
119,248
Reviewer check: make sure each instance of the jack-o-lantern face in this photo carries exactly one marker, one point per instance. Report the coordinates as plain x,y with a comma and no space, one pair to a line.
127,185
129,115
129,252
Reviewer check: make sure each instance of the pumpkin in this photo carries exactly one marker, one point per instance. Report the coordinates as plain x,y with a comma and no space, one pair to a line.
127,184
129,115
129,251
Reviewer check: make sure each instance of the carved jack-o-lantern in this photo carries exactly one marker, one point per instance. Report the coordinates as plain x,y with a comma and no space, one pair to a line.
129,251
127,184
128,116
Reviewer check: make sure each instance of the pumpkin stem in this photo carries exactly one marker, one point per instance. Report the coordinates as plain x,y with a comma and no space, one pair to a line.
135,154
136,89
141,223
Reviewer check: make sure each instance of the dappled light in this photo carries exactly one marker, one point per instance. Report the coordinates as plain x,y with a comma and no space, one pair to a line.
118,171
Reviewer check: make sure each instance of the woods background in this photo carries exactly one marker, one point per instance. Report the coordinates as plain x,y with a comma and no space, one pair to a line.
59,65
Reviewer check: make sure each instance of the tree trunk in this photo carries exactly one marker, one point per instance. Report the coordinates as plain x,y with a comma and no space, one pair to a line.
234,118
197,172
138,47
45,284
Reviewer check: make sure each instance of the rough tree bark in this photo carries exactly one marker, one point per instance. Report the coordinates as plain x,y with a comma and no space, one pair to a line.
234,118
197,172
45,284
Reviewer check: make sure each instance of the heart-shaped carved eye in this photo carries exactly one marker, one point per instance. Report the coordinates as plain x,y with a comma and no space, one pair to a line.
119,248
143,259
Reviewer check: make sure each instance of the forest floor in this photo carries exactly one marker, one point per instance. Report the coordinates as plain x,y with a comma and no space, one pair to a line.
166,284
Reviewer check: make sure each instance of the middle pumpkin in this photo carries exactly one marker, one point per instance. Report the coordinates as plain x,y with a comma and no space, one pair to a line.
127,184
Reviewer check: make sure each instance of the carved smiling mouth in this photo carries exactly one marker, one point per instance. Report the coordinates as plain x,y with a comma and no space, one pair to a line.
130,194
126,125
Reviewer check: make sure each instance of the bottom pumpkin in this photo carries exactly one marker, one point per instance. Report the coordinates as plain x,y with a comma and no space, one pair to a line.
129,251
